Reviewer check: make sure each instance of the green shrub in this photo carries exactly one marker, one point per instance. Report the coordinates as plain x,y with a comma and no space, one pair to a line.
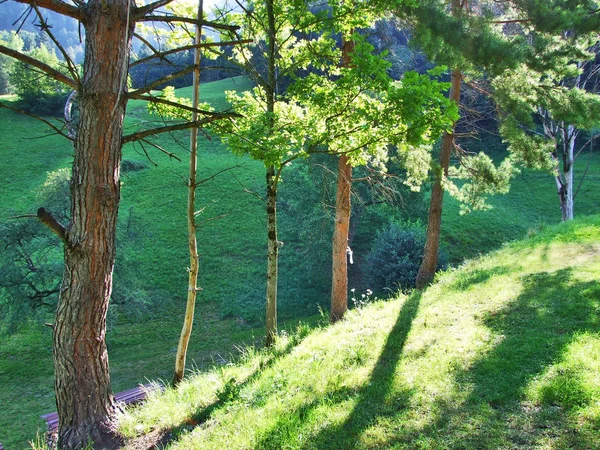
395,256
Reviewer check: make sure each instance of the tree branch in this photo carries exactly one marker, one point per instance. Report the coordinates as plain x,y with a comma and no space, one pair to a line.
157,83
162,55
141,11
48,219
39,65
41,119
181,126
57,6
190,20
152,99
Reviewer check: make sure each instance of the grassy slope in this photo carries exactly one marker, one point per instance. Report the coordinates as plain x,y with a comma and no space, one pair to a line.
501,353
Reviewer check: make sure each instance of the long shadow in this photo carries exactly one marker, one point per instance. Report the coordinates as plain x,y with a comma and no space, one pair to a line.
373,399
535,330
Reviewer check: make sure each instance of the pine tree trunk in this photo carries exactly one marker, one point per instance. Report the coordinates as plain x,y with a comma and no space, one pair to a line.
339,264
272,258
188,322
85,403
434,223
339,284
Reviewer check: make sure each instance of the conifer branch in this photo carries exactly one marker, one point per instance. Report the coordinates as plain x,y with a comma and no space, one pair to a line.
51,72
190,20
58,6
48,219
168,128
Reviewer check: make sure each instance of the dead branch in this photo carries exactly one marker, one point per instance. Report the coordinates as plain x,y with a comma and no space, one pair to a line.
190,20
48,219
39,65
160,81
162,55
142,11
181,126
57,6
41,119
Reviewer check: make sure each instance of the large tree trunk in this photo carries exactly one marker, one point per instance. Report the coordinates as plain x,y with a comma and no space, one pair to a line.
434,223
339,282
272,258
188,321
339,264
85,403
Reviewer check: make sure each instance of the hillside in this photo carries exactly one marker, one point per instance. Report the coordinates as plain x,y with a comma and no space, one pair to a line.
150,275
503,352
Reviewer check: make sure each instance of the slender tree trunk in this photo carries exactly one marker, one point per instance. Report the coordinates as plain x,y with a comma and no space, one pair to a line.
272,181
339,265
434,223
85,403
272,258
188,321
339,284
564,180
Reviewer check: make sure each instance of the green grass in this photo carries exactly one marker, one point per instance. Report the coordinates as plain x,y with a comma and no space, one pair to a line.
501,353
531,203
152,257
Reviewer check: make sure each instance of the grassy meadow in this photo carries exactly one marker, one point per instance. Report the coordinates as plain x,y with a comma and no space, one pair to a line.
152,259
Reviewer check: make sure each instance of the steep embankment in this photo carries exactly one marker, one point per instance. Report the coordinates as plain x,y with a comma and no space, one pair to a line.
501,353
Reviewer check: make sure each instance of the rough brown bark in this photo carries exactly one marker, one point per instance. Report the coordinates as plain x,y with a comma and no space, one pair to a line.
339,265
188,322
339,283
85,403
434,223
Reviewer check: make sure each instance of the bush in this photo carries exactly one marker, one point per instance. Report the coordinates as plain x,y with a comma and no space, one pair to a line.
395,257
38,92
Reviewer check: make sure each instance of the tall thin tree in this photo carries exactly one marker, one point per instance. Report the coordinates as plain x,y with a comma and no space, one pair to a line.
192,290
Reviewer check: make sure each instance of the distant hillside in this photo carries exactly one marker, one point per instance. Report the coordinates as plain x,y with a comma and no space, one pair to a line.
501,353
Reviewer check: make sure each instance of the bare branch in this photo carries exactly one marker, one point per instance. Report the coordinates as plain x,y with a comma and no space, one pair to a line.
161,55
215,175
48,219
190,20
159,130
45,27
158,147
153,99
58,6
140,12
24,216
39,65
161,81
41,119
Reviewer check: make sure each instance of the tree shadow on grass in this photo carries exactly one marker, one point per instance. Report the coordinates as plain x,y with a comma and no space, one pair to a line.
533,332
371,401
467,279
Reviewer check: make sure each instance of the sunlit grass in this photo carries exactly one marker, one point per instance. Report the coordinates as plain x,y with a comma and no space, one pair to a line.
502,353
